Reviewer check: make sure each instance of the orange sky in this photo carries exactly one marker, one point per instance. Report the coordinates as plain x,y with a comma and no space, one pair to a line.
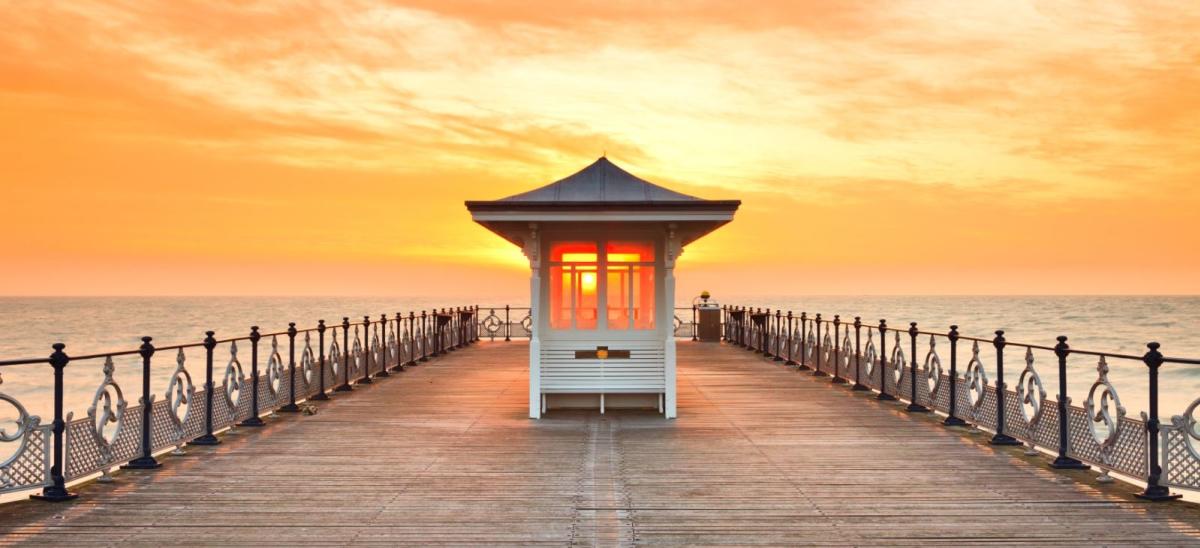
326,147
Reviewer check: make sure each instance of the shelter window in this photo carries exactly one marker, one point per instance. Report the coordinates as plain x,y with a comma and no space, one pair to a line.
574,285
629,280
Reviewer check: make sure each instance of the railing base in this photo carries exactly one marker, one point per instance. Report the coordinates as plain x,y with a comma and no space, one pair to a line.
839,380
916,408
791,362
1068,463
885,397
860,387
252,421
778,358
289,408
142,463
344,387
207,439
320,396
383,373
365,380
1003,439
398,369
54,494
954,421
803,367
1157,493
819,373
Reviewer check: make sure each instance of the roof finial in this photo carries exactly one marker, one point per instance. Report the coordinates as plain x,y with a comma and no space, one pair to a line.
604,153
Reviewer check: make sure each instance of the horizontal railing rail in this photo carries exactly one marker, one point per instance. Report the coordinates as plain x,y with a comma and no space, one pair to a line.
285,368
910,369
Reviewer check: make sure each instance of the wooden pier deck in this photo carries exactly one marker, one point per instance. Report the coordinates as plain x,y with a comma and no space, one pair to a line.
760,454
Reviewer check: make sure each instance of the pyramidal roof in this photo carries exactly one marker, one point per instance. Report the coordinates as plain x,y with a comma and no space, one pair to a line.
601,182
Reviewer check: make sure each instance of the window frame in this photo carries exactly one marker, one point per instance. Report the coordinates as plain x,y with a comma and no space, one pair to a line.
602,265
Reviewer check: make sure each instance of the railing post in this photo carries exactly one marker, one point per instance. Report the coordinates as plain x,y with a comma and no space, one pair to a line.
424,337
321,395
290,406
858,385
952,419
817,345
803,340
345,386
412,338
383,346
398,329
56,489
253,419
208,438
1001,438
507,324
883,361
1063,461
913,406
147,460
790,340
779,336
366,351
694,324
837,350
1155,490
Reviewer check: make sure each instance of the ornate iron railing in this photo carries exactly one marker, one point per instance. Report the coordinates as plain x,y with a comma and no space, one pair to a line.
284,368
511,322
907,364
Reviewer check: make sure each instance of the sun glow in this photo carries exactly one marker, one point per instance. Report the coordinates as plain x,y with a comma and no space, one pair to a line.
278,150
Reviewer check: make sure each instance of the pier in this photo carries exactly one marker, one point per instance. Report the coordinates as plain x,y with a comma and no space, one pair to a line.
443,452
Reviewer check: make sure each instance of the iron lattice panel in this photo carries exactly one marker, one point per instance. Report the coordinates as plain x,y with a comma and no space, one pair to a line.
84,454
942,403
1128,453
193,423
221,415
987,414
1181,463
29,463
163,432
242,412
1015,424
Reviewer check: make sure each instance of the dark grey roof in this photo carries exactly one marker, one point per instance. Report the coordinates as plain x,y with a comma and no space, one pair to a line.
601,182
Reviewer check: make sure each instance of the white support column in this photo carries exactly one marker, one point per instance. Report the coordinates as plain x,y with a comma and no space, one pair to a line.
532,251
674,249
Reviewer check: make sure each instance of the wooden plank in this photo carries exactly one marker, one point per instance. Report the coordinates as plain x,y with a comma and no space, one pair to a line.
760,454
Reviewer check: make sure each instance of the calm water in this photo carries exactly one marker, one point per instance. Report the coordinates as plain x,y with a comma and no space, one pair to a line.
91,325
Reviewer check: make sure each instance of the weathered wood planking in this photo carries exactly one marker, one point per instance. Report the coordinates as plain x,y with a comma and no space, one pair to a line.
760,454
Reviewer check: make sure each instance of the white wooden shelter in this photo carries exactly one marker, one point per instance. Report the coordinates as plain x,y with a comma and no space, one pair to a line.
602,246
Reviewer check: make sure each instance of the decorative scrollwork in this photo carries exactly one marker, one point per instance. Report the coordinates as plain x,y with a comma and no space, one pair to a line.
1102,402
899,362
811,342
393,349
870,355
233,386
527,324
335,357
676,324
356,354
933,370
25,425
977,383
307,360
492,323
101,414
179,395
1032,395
827,352
847,355
275,368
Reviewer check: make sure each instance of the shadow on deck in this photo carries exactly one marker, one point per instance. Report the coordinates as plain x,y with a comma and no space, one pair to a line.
759,454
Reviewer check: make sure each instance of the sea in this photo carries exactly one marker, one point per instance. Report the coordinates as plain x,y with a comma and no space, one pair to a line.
1114,324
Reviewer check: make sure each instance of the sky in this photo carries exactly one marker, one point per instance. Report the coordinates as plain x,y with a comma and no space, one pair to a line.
326,148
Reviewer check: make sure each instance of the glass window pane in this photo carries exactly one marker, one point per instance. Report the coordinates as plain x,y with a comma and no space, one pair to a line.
629,252
573,252
587,298
643,297
618,297
560,298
